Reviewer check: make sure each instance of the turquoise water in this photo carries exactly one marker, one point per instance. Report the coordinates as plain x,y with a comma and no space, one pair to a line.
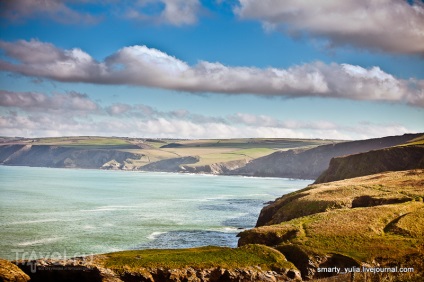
45,210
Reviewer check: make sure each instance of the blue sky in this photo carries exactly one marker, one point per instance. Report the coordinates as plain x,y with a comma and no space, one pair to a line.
211,69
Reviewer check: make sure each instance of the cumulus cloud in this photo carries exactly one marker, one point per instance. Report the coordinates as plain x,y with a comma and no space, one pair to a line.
174,12
388,25
143,66
56,10
36,114
72,101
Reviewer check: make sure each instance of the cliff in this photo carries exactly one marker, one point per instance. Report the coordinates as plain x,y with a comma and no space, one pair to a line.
309,164
61,157
291,158
374,220
170,165
209,264
389,159
9,272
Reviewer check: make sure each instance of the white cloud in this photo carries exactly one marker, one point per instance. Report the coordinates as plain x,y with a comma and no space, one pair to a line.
32,101
56,10
44,124
35,114
174,12
388,25
143,66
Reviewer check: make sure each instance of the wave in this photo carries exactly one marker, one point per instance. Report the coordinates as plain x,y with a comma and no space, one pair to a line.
155,235
40,241
32,221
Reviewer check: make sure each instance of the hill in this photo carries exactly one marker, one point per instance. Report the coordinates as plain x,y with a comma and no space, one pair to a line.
309,164
280,157
396,158
374,220
216,156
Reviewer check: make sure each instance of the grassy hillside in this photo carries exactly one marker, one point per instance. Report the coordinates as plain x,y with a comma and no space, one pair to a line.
311,163
376,219
378,189
143,153
205,257
401,157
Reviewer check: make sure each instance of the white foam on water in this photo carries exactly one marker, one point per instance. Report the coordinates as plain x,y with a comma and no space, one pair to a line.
155,235
32,221
39,242
228,230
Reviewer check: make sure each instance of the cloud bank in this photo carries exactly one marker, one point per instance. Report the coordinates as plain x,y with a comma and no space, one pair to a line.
59,11
33,114
172,12
388,25
143,66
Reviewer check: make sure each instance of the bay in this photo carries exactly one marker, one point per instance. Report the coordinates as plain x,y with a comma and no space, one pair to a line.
81,212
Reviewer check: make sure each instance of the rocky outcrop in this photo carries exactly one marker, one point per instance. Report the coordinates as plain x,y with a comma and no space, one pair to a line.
214,274
217,168
309,164
309,262
9,272
389,159
61,157
92,269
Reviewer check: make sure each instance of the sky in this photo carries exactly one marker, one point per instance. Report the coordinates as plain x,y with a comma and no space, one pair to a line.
351,69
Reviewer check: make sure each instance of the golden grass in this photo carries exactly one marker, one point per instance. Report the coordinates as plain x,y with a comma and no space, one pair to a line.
383,187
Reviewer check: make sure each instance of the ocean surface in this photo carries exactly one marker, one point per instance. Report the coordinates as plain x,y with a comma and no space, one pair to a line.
71,212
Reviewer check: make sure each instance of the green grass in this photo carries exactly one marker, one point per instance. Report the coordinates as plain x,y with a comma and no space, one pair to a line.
254,152
83,141
203,257
249,143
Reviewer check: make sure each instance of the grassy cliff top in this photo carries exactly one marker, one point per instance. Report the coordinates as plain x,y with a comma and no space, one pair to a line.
377,189
376,219
204,257
387,231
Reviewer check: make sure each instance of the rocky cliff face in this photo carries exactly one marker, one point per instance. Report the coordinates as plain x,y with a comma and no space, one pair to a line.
309,164
205,264
170,165
61,157
217,168
78,270
9,272
389,159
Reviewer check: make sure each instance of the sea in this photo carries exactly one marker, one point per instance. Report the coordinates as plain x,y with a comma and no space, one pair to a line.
59,213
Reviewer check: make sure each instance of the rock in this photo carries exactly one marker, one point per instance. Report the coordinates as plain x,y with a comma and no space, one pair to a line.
9,272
